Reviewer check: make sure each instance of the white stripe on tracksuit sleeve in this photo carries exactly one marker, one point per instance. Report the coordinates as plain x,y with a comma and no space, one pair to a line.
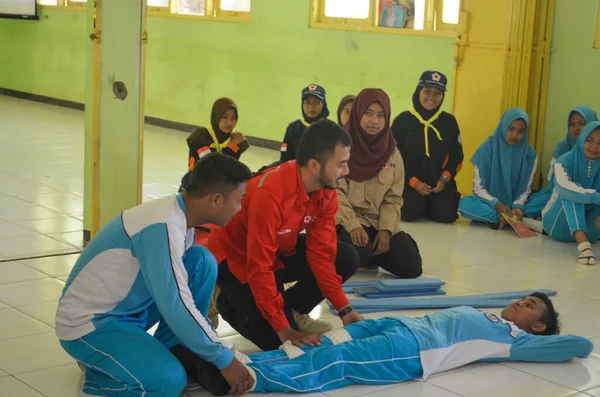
570,191
168,285
551,170
520,202
480,191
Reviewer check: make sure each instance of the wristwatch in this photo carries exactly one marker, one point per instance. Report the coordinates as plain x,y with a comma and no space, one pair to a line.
445,178
345,310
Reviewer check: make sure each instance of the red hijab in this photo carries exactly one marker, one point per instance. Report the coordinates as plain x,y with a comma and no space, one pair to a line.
369,153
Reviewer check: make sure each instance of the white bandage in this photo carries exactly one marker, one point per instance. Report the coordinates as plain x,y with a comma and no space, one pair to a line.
291,350
338,336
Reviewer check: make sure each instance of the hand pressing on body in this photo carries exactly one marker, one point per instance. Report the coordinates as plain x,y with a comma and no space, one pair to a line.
299,338
238,377
351,318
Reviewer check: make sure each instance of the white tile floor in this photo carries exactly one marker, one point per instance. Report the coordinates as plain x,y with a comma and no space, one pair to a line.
41,207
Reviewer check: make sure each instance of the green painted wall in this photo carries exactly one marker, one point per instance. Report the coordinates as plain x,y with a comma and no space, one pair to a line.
45,57
574,69
262,65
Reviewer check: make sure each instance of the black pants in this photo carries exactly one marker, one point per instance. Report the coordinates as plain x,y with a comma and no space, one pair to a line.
402,260
439,207
237,306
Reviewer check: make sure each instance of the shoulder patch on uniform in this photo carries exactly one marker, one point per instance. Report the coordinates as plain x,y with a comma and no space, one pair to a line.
203,151
492,317
459,140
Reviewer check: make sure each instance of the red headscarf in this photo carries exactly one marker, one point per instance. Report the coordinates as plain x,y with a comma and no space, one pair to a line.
369,153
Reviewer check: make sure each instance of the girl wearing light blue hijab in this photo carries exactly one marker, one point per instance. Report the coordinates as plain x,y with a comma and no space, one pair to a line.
578,118
504,167
573,212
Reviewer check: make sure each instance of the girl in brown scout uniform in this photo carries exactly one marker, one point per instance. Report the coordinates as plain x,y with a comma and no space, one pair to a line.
220,136
370,197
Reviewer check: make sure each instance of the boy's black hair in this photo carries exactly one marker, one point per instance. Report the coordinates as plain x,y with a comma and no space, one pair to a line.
215,173
318,142
550,316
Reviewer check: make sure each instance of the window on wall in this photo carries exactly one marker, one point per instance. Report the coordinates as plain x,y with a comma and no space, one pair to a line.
235,5
388,16
191,7
230,10
157,3
450,11
63,3
357,9
217,9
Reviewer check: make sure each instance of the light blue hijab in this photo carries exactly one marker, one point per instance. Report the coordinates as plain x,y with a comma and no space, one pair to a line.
577,166
568,143
505,169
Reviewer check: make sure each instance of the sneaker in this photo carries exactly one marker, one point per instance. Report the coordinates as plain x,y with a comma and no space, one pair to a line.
310,326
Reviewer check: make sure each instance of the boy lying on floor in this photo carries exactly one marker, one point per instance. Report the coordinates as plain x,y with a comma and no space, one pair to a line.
398,349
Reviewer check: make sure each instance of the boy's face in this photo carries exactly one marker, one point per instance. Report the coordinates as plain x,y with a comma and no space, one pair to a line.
526,313
312,106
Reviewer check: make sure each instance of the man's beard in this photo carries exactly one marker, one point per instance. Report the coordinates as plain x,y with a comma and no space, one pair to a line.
323,182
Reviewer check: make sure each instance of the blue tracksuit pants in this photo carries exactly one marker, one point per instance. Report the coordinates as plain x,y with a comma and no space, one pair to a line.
123,360
381,352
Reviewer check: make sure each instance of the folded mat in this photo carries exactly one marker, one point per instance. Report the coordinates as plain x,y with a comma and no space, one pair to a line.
374,293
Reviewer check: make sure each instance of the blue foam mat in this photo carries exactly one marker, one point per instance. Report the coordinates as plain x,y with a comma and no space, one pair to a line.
496,300
374,293
399,285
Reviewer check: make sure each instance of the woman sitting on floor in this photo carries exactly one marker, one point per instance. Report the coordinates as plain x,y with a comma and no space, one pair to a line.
344,108
220,136
578,118
429,141
503,167
573,212
370,197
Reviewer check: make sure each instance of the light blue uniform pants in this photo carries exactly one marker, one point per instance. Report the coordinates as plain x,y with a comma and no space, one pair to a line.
536,203
123,360
474,208
381,352
564,218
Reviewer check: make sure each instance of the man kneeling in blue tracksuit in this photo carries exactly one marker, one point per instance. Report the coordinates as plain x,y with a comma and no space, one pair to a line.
398,349
141,269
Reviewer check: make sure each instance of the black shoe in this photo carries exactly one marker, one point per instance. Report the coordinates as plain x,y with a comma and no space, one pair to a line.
204,373
498,226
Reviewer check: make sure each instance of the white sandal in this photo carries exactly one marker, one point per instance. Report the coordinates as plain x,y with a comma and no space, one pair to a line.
586,257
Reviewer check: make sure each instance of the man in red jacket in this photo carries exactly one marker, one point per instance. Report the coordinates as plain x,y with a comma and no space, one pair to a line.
261,248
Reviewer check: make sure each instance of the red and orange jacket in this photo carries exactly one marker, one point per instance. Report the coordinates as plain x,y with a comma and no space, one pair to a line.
275,210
